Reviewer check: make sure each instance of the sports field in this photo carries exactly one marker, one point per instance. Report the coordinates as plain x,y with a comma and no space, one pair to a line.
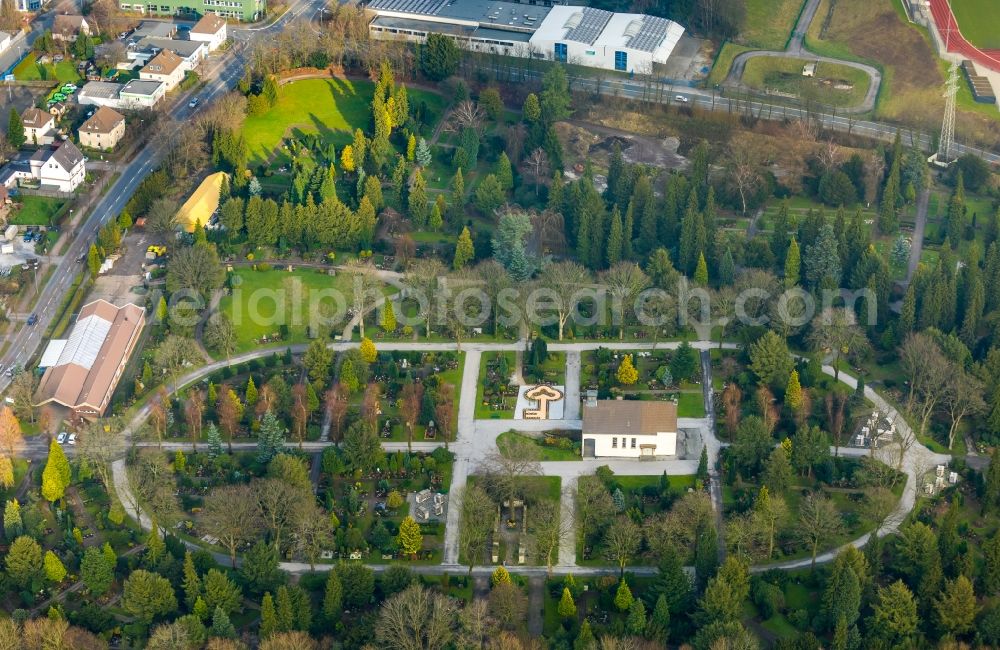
979,21
330,107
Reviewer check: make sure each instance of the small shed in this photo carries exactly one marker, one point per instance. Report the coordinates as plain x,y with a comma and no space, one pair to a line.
809,70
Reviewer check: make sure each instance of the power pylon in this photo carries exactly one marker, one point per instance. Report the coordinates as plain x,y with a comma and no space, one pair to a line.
947,142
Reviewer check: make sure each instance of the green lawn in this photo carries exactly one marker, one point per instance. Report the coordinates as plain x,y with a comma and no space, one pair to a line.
37,211
331,107
979,21
546,452
784,75
724,61
263,303
691,405
678,482
769,23
30,70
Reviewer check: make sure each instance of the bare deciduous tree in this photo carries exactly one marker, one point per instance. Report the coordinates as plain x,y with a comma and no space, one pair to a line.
621,541
624,280
231,515
537,166
479,514
417,619
564,280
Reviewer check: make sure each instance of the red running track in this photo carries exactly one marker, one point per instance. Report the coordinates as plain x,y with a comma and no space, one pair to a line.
945,20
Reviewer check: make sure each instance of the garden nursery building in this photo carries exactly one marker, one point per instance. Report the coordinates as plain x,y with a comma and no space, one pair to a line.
570,34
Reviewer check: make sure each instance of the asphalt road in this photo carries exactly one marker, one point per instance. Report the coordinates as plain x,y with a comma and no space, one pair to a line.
221,75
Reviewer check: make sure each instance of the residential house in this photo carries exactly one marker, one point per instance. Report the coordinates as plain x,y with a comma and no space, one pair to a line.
166,67
29,5
629,428
210,29
67,27
60,167
102,130
142,51
39,126
58,109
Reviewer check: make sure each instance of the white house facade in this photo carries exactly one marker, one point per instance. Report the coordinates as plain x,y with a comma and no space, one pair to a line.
60,168
629,429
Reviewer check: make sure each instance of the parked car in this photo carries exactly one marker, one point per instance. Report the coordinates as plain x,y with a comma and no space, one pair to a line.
72,439
61,438
681,98
32,319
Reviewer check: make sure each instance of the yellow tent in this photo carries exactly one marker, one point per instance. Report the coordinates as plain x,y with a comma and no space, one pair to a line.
199,207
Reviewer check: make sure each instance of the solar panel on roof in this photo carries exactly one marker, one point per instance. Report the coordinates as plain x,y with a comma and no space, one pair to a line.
591,25
650,35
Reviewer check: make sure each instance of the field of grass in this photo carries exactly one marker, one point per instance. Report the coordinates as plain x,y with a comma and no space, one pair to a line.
784,75
979,21
769,23
30,70
545,452
330,107
263,303
724,61
677,482
37,211
690,405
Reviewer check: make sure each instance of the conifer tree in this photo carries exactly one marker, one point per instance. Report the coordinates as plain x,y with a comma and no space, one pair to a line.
793,263
15,130
504,172
387,319
623,597
251,393
191,582
567,608
627,374
222,627
410,539
57,473
13,525
423,154
464,249
417,201
701,271
615,238
268,616
54,569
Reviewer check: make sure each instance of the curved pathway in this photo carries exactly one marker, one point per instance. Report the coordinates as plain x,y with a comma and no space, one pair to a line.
475,439
796,49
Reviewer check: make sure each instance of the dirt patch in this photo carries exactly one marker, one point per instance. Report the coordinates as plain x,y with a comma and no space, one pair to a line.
593,144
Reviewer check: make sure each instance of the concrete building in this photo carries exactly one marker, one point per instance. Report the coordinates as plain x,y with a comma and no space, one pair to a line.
59,168
103,130
211,30
242,10
67,27
39,126
5,39
602,39
578,35
88,365
140,93
629,428
166,67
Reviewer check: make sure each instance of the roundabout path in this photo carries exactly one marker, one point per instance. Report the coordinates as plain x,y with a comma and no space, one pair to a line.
796,49
476,439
